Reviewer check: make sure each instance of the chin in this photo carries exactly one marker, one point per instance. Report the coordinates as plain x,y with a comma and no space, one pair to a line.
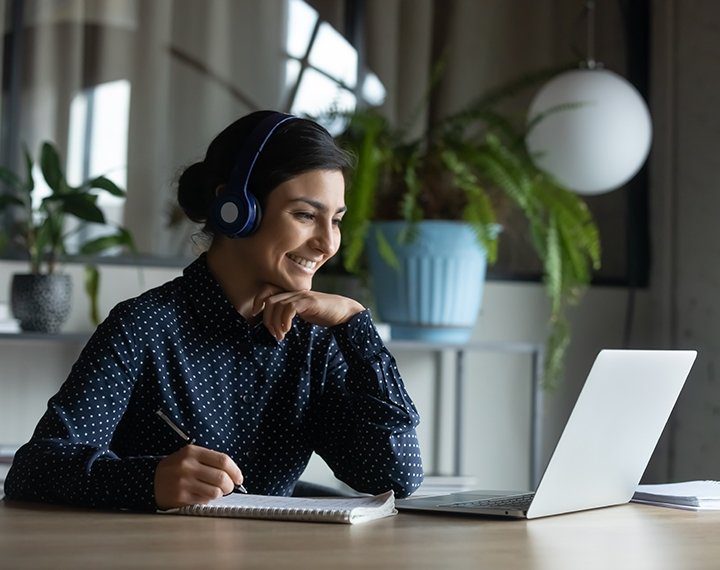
297,284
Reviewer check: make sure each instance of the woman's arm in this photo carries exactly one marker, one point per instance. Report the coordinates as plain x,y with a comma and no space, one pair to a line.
365,426
68,459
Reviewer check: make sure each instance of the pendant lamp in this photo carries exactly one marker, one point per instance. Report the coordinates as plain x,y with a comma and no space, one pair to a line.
590,128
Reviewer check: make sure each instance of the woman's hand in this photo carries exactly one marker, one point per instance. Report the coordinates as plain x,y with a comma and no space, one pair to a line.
194,475
323,309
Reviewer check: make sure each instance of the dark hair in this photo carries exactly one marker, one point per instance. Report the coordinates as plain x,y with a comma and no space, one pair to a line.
295,148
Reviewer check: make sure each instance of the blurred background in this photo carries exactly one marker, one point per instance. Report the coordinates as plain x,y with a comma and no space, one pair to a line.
135,90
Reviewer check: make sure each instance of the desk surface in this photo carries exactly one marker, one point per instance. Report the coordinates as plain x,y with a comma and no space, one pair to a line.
630,536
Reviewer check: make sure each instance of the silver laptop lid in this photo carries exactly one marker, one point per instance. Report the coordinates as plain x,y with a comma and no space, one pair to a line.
613,430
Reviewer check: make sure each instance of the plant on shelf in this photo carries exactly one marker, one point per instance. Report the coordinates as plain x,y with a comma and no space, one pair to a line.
473,167
39,228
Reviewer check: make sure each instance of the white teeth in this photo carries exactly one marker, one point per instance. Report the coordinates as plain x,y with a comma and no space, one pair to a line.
302,261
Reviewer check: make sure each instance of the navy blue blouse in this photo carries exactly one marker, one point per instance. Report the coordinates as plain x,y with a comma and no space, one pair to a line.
183,347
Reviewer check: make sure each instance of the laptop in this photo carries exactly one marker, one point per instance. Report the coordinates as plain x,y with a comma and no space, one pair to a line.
605,446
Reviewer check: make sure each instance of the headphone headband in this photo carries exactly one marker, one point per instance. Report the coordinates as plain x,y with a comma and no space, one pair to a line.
236,212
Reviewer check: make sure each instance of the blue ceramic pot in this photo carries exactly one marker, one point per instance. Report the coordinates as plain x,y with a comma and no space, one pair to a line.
436,293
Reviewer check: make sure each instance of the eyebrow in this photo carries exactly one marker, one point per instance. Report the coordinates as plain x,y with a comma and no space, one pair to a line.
318,205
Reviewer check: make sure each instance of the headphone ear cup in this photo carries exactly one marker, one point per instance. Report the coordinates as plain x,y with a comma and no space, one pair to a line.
254,215
236,212
237,216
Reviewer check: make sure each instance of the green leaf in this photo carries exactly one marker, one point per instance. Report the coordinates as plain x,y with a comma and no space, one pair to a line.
51,168
553,267
120,239
9,200
79,205
105,184
11,179
410,208
557,345
92,288
29,185
386,251
562,107
44,241
361,195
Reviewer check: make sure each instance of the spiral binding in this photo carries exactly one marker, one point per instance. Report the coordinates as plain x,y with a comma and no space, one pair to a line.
269,513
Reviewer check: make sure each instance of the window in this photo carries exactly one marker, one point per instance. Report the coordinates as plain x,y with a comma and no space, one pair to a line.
322,67
98,145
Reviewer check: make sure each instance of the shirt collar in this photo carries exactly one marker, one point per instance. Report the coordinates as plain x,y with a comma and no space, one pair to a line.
212,305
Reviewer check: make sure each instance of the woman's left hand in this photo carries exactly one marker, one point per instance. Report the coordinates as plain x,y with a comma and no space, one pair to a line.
279,309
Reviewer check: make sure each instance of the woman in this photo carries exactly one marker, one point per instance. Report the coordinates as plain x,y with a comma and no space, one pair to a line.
238,352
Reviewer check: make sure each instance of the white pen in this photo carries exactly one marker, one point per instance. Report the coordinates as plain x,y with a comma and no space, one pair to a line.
191,441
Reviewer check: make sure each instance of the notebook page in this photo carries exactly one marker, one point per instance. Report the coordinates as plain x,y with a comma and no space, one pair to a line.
320,504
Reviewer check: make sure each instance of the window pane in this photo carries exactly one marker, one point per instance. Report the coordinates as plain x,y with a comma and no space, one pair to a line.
301,21
373,91
334,55
292,72
318,94
97,145
98,140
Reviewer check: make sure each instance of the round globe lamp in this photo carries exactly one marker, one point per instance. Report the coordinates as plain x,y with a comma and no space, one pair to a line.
592,130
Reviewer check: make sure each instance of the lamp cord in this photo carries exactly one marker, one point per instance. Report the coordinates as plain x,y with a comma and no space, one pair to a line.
590,21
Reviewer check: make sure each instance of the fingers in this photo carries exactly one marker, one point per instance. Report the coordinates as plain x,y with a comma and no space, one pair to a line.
204,491
280,310
323,309
194,474
221,465
265,292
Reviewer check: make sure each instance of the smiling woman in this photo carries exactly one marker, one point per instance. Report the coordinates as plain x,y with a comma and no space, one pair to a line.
257,368
301,231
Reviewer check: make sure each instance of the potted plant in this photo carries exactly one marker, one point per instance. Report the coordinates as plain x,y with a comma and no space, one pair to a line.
459,174
40,299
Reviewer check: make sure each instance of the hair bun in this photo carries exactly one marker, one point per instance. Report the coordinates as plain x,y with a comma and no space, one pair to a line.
195,194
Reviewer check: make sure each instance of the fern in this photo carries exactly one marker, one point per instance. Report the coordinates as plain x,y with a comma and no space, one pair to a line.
360,199
472,157
386,251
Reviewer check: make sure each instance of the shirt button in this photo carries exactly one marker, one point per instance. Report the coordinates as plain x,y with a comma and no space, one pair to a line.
248,454
247,398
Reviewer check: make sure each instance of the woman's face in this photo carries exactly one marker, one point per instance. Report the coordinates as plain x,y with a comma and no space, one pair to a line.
299,232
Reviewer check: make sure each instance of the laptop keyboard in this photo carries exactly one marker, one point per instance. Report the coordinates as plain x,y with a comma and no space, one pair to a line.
521,502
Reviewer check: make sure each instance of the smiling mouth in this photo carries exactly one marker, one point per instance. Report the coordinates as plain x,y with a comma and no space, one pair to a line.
301,261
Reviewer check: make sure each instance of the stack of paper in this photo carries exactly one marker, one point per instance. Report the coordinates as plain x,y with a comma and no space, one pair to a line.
690,495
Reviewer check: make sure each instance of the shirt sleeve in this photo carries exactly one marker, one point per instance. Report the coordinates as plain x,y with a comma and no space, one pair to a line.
69,458
365,425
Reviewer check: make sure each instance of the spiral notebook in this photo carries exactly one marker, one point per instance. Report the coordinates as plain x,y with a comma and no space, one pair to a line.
348,510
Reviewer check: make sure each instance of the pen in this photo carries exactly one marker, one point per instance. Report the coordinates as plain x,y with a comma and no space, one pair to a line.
191,441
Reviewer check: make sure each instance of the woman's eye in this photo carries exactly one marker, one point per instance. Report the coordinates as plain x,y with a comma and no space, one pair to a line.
305,216
337,221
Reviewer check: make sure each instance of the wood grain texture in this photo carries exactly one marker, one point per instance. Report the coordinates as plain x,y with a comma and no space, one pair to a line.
630,536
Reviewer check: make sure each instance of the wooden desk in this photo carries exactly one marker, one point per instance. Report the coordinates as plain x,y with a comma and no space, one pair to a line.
631,536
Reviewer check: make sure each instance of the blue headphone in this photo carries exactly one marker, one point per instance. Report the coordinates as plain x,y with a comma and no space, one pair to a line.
236,211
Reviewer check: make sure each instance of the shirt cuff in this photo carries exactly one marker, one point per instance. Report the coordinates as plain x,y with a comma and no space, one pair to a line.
125,483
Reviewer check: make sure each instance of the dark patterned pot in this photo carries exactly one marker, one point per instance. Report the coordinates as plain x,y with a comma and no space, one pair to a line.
40,302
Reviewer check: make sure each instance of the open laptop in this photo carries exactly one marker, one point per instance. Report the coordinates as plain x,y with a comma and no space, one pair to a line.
605,446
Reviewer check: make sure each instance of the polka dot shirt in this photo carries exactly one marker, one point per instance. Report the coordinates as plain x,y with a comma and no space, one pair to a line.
183,348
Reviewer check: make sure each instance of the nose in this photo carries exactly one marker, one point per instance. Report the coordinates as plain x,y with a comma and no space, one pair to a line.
326,239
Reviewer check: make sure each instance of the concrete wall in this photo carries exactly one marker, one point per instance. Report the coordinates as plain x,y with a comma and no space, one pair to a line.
686,200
